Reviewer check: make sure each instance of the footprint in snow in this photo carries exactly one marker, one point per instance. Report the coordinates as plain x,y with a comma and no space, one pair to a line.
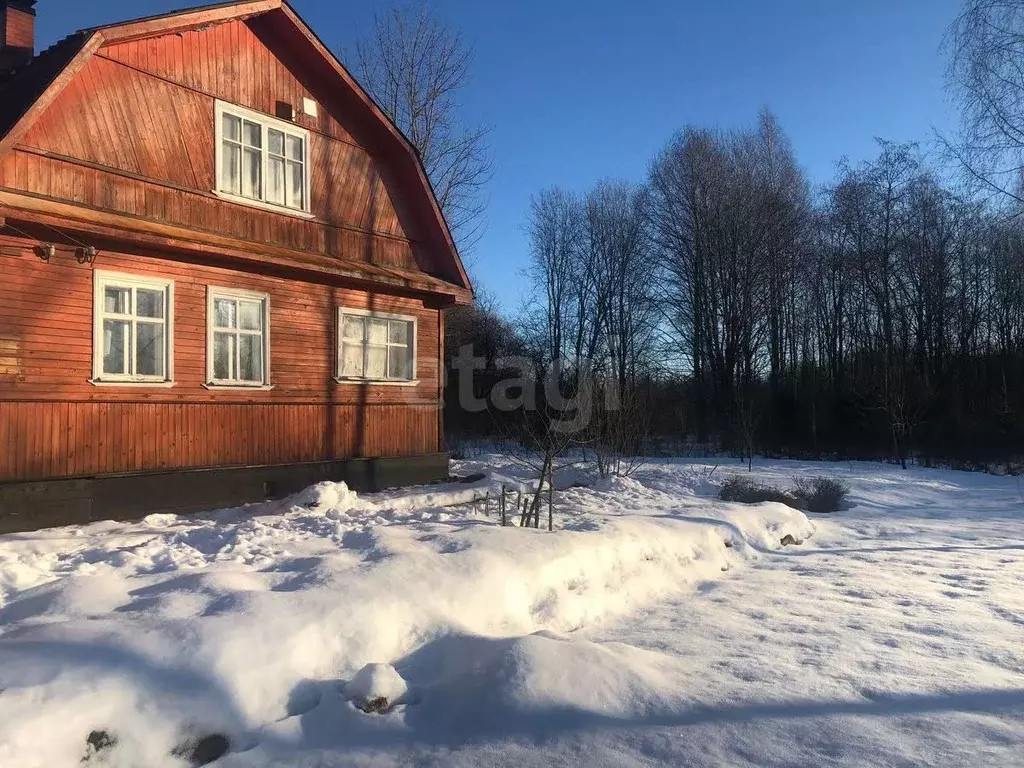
861,595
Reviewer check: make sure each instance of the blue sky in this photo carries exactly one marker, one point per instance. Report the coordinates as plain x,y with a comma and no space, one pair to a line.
579,90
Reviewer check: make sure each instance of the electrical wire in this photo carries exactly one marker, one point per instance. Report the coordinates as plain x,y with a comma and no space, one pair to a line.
65,234
23,233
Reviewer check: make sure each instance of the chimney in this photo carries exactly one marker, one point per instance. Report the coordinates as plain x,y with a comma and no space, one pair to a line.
17,33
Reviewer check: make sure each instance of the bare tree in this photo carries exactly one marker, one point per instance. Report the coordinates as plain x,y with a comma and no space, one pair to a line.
540,414
591,316
624,320
986,72
415,68
882,317
728,212
555,229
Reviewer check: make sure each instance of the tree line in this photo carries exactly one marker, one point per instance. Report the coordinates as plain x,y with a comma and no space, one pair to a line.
723,301
879,316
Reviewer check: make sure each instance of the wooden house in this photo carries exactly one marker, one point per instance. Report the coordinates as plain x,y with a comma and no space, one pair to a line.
222,271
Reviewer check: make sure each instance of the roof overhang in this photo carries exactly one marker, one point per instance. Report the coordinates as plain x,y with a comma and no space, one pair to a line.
130,234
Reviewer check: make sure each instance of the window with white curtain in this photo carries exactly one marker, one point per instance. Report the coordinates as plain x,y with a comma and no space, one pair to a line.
261,160
376,346
238,338
132,333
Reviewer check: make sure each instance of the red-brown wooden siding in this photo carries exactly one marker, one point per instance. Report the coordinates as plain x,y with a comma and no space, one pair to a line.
133,133
54,423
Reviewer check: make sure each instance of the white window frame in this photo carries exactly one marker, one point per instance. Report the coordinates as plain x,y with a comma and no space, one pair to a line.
218,292
266,121
103,279
338,353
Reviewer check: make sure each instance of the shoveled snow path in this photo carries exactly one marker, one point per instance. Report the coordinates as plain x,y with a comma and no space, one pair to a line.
894,637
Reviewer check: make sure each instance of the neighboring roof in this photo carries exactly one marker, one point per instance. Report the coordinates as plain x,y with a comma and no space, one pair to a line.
30,90
20,89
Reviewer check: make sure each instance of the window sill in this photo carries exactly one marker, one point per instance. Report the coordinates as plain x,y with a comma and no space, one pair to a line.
264,206
377,382
131,383
247,387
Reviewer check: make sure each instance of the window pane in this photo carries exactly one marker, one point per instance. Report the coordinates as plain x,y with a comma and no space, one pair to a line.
296,191
398,331
276,141
376,362
149,303
115,342
399,363
275,181
251,173
149,352
294,148
250,358
352,360
253,134
353,328
224,313
378,331
250,315
232,127
230,172
117,301
223,354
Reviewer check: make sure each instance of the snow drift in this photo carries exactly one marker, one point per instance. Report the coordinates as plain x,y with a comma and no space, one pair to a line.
251,622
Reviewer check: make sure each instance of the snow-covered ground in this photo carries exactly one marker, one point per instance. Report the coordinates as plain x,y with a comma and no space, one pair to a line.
656,625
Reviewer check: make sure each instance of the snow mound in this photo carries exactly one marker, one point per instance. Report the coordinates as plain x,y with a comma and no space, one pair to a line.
328,496
240,621
545,671
376,688
471,682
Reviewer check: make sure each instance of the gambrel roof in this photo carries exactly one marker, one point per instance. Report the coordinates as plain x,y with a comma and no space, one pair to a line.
26,94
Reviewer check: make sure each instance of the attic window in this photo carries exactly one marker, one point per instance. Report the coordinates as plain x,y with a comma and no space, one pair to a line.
260,160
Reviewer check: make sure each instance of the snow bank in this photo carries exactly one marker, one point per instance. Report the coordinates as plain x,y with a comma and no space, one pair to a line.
165,629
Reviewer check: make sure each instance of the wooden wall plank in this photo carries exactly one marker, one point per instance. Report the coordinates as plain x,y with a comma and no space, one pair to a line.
57,424
146,107
24,170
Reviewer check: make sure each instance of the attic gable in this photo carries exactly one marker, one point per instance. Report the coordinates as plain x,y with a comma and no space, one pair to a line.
294,47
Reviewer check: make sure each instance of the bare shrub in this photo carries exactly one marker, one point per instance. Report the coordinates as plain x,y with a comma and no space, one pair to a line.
748,491
820,494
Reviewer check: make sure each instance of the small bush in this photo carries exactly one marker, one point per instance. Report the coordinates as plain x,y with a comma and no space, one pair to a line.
820,494
748,491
